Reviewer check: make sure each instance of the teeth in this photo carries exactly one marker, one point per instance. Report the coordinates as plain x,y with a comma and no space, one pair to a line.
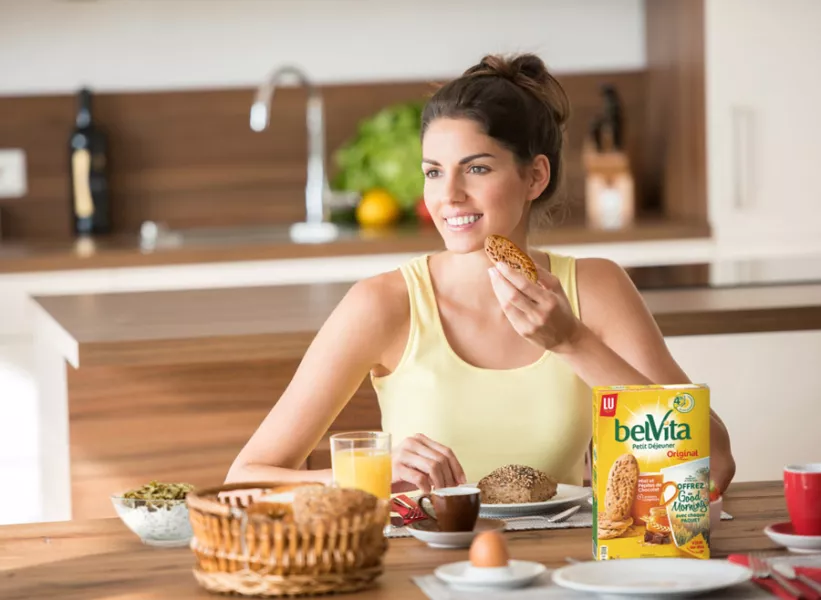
462,220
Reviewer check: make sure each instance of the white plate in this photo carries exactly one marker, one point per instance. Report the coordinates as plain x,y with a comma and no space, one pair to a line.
565,494
427,531
783,535
650,577
459,576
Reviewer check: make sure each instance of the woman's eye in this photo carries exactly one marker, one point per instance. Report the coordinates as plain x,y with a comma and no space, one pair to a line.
432,173
478,169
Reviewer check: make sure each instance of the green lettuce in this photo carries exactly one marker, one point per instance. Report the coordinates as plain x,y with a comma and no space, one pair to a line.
385,152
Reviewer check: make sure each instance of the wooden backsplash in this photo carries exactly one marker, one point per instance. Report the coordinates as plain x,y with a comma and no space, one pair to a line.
189,158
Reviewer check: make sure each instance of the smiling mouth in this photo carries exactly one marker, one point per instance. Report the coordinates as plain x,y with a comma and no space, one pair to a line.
462,221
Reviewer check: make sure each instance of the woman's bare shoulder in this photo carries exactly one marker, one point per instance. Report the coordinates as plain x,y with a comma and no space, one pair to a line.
598,271
604,288
380,301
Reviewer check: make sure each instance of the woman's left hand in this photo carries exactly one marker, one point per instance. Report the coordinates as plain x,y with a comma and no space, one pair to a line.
540,312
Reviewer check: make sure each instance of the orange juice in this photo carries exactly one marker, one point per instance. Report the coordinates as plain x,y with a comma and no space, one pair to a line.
651,471
366,469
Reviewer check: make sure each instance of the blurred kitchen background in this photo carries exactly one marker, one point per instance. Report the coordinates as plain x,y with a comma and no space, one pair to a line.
131,161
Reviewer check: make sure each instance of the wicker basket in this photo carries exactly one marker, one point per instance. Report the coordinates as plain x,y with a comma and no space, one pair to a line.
255,555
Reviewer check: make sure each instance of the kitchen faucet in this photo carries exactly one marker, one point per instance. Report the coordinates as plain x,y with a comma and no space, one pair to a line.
316,227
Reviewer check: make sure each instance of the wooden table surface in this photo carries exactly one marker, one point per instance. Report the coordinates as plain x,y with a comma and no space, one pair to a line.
97,559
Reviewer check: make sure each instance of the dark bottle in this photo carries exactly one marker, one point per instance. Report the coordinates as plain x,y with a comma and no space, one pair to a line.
90,204
608,128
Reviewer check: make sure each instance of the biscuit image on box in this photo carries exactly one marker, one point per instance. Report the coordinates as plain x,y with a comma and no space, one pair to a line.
610,528
621,487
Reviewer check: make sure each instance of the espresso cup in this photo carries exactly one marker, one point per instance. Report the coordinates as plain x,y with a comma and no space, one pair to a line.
454,509
802,491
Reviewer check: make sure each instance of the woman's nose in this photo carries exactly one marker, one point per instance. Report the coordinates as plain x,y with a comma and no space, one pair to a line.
454,191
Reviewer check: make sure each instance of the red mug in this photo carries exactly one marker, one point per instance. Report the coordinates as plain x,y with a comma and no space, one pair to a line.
802,490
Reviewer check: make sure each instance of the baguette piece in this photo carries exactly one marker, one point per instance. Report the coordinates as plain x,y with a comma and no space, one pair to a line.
516,484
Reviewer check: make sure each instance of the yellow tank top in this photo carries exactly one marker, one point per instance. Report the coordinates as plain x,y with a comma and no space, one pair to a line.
537,415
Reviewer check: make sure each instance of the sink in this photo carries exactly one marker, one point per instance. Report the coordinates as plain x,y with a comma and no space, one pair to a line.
153,236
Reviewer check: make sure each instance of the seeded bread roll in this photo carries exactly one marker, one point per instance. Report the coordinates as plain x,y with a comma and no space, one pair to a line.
516,484
313,504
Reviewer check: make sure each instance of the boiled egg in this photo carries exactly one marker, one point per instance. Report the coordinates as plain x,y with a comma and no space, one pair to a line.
489,549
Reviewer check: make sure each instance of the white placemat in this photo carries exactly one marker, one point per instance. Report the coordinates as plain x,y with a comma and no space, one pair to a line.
583,518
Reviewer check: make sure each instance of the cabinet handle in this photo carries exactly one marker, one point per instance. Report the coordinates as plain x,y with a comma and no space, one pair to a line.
742,155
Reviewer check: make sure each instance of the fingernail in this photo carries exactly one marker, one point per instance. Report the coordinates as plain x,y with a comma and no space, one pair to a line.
493,272
501,266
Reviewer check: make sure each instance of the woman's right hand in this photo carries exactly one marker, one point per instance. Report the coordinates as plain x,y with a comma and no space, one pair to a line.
420,463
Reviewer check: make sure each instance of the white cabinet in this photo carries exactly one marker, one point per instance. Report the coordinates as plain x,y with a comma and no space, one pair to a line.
766,387
763,117
19,456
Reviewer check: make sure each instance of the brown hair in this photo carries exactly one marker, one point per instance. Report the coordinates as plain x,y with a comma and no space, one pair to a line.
518,103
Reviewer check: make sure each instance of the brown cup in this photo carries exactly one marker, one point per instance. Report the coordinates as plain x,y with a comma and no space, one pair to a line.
454,508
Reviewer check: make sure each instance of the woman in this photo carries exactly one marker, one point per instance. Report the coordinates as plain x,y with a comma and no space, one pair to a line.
474,366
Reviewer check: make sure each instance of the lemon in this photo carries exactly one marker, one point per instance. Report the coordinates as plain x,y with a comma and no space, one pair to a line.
377,208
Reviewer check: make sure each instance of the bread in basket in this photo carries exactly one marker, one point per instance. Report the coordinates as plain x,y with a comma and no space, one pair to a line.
270,539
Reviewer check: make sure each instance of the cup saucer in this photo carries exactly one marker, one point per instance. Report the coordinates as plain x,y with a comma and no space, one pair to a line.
783,534
462,576
428,531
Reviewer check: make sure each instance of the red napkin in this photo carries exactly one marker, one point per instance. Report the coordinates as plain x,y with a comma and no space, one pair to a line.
774,588
405,513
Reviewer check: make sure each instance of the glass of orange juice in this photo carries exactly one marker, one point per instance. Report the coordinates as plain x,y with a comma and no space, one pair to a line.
362,460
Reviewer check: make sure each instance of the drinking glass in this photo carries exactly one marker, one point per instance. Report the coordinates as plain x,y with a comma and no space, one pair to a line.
362,460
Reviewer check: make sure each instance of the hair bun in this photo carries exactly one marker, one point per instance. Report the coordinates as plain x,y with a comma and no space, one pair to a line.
528,66
529,72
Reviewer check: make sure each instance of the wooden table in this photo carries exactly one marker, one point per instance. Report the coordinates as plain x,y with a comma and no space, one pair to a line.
93,559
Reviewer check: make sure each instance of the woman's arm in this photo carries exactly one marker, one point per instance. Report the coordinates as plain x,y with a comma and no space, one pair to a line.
347,346
620,343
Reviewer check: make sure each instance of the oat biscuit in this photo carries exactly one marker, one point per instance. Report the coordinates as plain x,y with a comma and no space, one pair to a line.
501,249
621,487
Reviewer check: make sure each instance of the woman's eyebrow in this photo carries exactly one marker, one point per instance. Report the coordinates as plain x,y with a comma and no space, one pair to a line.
466,159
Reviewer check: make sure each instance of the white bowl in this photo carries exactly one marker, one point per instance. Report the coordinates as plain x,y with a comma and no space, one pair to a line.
163,523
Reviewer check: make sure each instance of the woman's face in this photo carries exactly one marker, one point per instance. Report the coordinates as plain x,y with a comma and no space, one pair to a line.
473,185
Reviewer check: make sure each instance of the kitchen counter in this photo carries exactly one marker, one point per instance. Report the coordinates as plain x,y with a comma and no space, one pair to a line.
273,243
278,322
